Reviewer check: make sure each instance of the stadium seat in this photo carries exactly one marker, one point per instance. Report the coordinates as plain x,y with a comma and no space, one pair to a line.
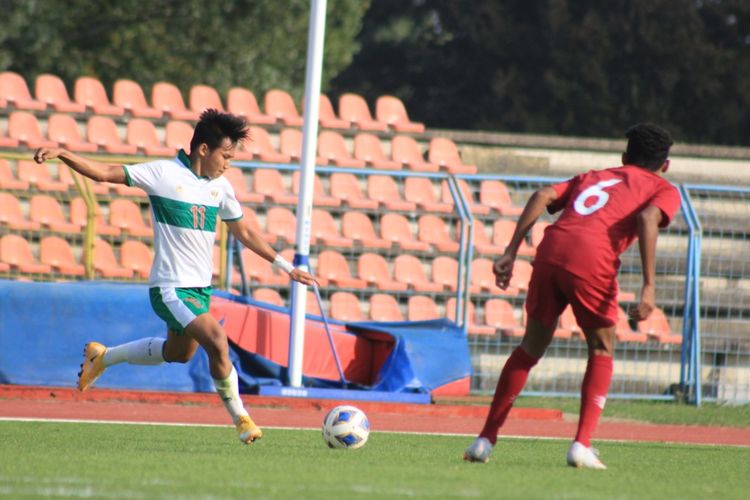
203,97
242,102
443,151
384,307
407,152
9,182
127,217
236,178
270,183
327,116
421,191
280,105
346,188
521,275
385,190
251,219
368,149
56,252
422,308
568,326
656,327
499,314
324,231
5,140
90,92
137,256
434,230
14,90
408,269
494,194
177,135
39,176
391,110
320,197
168,98
483,280
47,211
290,144
282,222
333,267
332,149
105,262
311,304
16,252
269,296
11,214
445,272
358,227
353,108
345,307
482,242
142,134
78,216
468,195
65,176
102,131
50,89
129,95
502,233
537,232
64,130
623,332
373,268
474,325
24,127
259,269
396,228
259,144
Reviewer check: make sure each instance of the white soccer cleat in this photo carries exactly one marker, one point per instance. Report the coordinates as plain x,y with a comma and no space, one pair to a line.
584,458
479,451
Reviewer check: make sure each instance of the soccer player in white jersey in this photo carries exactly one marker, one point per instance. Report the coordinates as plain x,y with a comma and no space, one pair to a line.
187,193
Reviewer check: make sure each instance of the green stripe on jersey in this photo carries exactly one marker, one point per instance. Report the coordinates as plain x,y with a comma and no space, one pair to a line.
185,215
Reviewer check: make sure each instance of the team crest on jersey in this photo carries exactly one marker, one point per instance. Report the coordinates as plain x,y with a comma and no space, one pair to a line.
214,193
178,189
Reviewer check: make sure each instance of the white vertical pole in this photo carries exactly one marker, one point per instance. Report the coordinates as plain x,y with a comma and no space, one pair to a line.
315,38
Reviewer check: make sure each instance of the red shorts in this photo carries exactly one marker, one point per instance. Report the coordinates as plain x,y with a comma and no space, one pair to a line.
552,288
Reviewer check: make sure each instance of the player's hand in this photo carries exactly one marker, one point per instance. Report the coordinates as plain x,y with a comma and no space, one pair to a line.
503,270
44,154
303,277
646,305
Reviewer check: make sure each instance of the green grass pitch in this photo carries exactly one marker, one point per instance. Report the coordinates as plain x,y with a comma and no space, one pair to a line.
52,459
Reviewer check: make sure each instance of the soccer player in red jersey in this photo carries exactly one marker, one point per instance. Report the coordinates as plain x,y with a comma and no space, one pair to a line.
576,263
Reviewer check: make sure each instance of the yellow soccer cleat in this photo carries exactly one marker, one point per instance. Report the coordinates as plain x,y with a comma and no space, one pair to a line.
247,429
92,366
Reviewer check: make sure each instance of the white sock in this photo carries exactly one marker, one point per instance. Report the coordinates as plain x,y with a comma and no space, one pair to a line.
229,392
146,351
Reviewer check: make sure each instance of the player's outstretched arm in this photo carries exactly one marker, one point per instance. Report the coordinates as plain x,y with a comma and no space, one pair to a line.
252,240
648,230
101,172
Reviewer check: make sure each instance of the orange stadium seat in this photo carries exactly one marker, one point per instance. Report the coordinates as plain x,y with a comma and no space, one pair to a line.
332,149
282,222
408,269
142,134
502,233
435,231
482,242
251,219
102,131
11,214
353,108
384,307
90,92
137,256
345,307
8,180
64,130
406,151
5,140
327,116
324,231
499,314
290,144
368,149
242,102
56,252
269,296
280,105
66,177
47,211
203,97
168,98
537,232
468,195
396,229
39,176
259,144
346,188
420,190
444,152
79,211
259,269
521,275
357,226
105,262
311,304
373,268
177,135
51,90
656,327
385,190
474,325
391,110
483,280
126,216
421,308
236,178
16,252
14,90
445,272
129,95
320,197
623,332
333,267
24,127
495,195
270,183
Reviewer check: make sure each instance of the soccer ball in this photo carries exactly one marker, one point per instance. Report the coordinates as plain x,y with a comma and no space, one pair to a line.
346,427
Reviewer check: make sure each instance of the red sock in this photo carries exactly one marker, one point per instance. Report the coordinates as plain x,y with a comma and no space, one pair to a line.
512,379
593,396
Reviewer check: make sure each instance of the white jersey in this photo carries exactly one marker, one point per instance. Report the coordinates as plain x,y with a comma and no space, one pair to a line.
184,211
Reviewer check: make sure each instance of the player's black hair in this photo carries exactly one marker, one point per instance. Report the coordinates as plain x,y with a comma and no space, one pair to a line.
648,145
214,126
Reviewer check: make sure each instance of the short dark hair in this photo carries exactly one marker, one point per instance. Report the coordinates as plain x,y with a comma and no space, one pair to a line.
648,145
214,126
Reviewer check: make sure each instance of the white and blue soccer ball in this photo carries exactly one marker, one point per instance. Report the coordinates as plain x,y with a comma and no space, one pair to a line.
346,427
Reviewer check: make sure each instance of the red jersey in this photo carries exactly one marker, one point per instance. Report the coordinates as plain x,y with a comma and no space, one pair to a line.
598,222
